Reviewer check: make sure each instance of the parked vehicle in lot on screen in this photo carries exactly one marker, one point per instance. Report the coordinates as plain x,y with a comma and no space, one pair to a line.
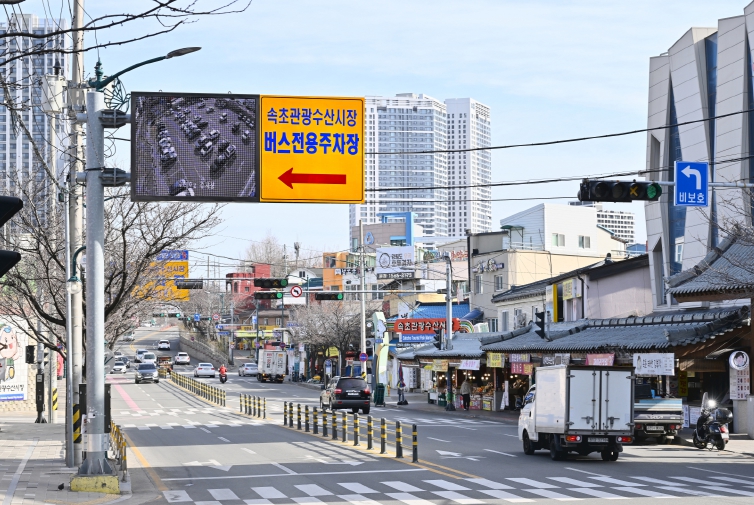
205,370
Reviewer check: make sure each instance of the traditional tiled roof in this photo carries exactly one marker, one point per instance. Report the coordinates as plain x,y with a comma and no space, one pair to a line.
649,332
727,269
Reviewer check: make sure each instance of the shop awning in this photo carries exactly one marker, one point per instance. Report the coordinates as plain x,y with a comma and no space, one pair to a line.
475,316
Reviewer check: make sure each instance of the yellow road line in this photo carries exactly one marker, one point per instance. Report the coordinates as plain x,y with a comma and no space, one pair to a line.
147,467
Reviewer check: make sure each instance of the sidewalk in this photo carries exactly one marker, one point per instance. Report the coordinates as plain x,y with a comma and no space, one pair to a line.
32,460
417,402
739,443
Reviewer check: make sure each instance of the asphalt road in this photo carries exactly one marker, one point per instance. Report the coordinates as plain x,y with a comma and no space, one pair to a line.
200,453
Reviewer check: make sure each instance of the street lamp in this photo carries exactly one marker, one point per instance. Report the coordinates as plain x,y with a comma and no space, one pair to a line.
73,286
98,84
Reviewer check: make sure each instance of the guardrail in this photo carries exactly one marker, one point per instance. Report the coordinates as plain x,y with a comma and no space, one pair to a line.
253,405
351,431
118,447
210,393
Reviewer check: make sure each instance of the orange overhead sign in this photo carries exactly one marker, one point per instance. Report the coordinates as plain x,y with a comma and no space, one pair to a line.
312,149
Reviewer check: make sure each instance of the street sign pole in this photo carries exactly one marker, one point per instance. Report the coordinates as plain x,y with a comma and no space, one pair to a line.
363,295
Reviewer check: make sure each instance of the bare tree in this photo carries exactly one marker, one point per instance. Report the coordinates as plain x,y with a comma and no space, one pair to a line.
282,260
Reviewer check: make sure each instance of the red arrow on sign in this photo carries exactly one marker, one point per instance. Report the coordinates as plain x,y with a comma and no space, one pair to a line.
289,178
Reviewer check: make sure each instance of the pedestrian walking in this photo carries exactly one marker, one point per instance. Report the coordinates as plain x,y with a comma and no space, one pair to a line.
466,394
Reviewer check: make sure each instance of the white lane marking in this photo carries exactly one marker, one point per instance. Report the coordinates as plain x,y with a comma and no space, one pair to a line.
574,482
260,501
532,483
457,497
223,494
357,499
657,481
438,439
205,430
509,435
546,493
176,496
341,472
584,471
166,427
268,492
401,486
490,484
721,473
686,490
285,469
503,495
189,426
729,490
248,450
731,479
224,439
408,499
646,492
503,453
448,486
307,500
618,482
313,490
597,493
356,487
142,428
692,480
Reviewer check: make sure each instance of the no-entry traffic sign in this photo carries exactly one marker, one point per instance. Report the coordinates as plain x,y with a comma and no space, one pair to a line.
296,291
363,357
215,317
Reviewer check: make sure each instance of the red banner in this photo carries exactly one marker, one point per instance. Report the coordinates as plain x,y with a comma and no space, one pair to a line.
522,368
604,359
423,326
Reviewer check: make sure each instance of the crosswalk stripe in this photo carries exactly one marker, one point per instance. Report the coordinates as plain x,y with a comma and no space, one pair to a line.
694,492
307,501
729,490
409,499
357,499
610,480
575,482
401,486
176,496
692,480
503,495
532,483
268,492
166,427
355,487
313,490
598,493
731,479
490,484
644,492
142,428
448,486
457,497
260,501
658,481
189,426
223,494
546,493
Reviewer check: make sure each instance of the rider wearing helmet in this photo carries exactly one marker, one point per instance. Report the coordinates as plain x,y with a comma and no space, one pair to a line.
223,370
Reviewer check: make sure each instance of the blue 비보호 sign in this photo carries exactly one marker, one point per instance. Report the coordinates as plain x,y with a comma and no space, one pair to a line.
691,184
197,317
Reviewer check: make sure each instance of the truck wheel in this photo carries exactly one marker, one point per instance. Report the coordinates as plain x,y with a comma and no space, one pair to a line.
609,455
528,446
555,453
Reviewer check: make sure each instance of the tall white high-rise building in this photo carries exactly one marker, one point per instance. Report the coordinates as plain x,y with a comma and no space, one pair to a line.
469,206
620,222
412,122
18,160
408,122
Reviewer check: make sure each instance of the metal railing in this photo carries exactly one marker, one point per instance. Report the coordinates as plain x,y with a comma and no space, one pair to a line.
118,447
254,406
348,429
210,393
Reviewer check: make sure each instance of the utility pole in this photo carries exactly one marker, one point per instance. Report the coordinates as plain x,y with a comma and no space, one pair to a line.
362,295
448,302
75,223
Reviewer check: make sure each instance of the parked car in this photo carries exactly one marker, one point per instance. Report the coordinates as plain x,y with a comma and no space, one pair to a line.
149,357
223,117
139,354
204,370
204,151
249,369
182,358
213,135
163,344
246,137
146,372
236,128
203,123
346,393
211,110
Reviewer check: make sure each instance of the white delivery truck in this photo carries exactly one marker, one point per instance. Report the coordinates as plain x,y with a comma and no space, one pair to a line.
580,409
271,366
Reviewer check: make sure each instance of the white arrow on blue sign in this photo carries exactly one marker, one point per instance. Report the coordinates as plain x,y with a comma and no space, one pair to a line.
691,184
197,317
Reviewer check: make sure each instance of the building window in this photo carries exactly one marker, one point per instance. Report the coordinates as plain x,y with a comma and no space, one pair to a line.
499,283
504,320
278,321
558,240
330,261
584,242
492,324
246,289
478,284
678,252
266,321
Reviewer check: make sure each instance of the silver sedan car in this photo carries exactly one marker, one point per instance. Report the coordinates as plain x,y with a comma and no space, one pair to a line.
205,370
249,369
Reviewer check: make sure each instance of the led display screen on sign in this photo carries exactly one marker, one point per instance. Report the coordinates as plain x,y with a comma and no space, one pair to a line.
194,147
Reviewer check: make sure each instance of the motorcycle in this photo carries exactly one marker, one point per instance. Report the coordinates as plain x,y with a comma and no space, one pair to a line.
712,426
223,378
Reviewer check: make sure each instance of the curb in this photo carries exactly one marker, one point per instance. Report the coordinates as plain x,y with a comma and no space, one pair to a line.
688,443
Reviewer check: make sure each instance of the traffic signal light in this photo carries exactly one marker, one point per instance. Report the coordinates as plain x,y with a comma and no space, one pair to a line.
539,321
270,283
9,207
31,350
618,191
268,295
188,284
438,341
328,295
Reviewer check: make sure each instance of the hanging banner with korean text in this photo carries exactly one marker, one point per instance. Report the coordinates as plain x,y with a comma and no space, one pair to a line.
522,368
654,363
520,358
423,326
603,359
440,365
469,364
495,360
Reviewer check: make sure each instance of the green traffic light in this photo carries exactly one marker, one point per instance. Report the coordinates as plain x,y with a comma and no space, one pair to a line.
654,191
278,295
340,296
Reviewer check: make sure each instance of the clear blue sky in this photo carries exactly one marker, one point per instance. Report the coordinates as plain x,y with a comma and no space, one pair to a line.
548,69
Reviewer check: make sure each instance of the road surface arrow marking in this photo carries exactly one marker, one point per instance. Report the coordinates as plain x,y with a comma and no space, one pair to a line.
456,455
446,453
222,467
688,172
289,178
211,463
